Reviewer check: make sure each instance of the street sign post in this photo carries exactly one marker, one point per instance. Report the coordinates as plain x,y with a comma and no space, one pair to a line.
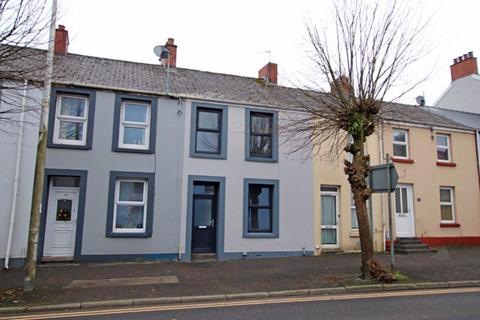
384,178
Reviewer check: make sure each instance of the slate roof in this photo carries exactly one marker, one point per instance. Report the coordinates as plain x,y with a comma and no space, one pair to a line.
81,70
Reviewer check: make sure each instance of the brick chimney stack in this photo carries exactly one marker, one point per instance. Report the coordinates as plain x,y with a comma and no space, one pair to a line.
269,73
61,40
464,66
172,62
342,83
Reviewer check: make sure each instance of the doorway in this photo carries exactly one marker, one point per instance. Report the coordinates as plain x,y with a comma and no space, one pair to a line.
404,214
204,232
329,216
61,218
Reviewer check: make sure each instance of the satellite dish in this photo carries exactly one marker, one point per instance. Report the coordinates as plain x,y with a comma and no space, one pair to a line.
162,52
420,101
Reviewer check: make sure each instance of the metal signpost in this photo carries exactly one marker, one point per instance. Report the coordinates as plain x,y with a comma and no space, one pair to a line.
384,178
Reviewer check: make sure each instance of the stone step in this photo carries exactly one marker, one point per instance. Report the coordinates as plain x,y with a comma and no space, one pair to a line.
407,251
408,241
204,257
407,246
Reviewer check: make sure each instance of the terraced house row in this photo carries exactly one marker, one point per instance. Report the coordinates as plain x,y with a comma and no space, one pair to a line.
153,162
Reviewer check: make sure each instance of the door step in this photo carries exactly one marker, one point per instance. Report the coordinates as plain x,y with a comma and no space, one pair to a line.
411,245
204,257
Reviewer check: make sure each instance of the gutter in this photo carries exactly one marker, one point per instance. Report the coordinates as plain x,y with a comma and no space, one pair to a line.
13,210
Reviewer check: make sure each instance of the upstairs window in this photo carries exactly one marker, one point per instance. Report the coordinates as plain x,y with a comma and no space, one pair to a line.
400,143
208,138
443,147
134,125
134,128
261,138
208,131
71,120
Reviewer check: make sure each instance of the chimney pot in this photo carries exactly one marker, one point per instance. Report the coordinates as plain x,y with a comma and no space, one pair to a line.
463,66
269,73
61,40
172,48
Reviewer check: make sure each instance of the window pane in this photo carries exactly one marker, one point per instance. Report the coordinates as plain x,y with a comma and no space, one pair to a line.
66,181
208,120
354,218
259,220
354,214
399,150
261,146
70,130
71,106
398,201
329,212
259,195
329,236
202,212
445,195
400,136
135,112
203,189
208,142
442,140
447,213
404,200
64,210
133,135
261,123
442,154
131,191
130,217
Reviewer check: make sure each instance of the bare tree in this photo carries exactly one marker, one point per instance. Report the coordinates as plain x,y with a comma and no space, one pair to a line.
373,45
23,26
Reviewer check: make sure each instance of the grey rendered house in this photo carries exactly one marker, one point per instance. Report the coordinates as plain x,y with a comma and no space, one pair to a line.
145,165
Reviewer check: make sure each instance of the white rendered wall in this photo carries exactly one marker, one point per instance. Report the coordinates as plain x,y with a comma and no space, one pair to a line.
8,150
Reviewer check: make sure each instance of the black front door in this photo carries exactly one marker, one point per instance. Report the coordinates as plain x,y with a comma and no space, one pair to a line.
204,216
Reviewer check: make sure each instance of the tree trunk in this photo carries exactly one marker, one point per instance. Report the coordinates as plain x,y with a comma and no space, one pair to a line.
357,173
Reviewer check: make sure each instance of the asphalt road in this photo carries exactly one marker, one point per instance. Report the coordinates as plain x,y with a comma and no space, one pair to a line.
454,304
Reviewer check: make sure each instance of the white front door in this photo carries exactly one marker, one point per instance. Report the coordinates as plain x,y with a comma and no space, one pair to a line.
61,222
329,216
404,215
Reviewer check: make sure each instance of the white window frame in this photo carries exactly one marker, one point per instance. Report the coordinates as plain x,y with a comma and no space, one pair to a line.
353,208
401,143
59,117
131,124
447,147
131,203
451,203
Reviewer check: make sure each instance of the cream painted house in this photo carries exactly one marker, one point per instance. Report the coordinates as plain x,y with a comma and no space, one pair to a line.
437,199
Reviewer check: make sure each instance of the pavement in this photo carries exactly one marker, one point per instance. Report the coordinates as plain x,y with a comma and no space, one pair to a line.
74,286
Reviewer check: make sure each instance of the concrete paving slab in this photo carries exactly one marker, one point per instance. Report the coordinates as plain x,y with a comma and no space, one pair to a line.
116,282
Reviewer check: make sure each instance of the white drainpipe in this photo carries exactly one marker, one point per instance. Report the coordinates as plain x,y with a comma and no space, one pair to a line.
16,178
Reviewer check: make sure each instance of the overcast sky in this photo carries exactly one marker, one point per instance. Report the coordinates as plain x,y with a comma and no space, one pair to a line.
232,36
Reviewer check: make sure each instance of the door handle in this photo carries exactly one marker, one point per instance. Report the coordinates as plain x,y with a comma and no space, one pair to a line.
212,223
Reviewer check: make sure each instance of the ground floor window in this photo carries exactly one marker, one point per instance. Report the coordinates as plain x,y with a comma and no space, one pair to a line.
261,210
130,210
447,211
